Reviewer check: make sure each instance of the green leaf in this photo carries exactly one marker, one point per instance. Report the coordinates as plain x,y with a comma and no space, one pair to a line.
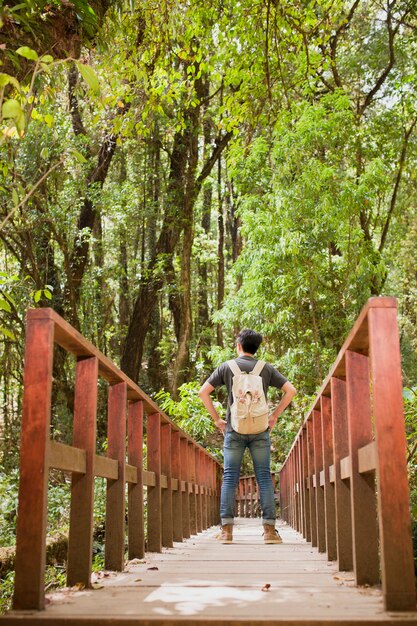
47,58
27,53
38,295
11,108
80,157
5,79
7,333
89,76
15,197
47,294
5,306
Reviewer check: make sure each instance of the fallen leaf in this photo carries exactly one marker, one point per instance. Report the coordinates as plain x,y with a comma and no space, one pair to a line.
138,580
78,587
135,562
153,567
97,586
266,587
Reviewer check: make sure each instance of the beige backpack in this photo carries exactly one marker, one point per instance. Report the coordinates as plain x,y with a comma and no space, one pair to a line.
249,411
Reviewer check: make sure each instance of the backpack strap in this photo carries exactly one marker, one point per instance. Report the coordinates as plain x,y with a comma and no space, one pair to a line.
258,368
234,367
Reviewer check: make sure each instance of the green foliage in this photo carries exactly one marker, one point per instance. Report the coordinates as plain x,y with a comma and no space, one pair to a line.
191,416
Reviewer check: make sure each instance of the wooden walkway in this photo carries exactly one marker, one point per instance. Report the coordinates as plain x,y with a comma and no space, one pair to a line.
201,581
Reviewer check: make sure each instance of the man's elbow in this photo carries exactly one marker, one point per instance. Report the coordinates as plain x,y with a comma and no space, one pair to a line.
290,390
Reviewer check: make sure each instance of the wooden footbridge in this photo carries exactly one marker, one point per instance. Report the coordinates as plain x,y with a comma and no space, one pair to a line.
346,556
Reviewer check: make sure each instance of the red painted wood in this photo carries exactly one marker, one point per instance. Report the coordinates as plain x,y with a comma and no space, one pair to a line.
192,481
305,491
311,488
176,495
185,494
298,502
153,429
342,488
136,530
318,465
80,543
115,502
392,486
167,514
329,492
204,460
33,484
363,497
199,514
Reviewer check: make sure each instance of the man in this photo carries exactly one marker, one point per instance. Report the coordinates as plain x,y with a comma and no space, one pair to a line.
248,341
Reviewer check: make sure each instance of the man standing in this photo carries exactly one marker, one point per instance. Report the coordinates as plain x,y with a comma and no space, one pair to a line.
235,443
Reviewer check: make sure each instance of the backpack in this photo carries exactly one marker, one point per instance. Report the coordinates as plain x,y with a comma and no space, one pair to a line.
249,411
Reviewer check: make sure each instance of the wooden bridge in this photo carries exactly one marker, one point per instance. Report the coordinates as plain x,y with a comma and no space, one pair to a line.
343,491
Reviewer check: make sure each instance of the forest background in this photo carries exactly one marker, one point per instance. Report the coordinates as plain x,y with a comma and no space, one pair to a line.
171,171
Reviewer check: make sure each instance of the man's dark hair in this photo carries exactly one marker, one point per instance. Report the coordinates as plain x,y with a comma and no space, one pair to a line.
250,340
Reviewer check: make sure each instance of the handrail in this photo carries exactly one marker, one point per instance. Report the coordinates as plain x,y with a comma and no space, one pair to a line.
247,500
181,477
344,483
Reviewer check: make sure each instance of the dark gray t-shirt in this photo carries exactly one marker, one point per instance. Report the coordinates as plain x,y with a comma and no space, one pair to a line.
223,375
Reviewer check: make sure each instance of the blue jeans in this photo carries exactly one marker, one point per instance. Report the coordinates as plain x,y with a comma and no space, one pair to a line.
259,447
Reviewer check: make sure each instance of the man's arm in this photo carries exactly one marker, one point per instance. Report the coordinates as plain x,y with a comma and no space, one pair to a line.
204,394
289,393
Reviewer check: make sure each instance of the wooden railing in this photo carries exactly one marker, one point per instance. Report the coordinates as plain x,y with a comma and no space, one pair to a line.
247,503
182,480
344,483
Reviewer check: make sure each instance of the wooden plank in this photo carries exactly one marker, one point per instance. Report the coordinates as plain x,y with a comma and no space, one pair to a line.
166,501
149,478
329,493
204,494
33,482
397,567
199,520
311,475
346,467
185,494
176,496
136,526
306,499
331,474
67,458
318,467
153,429
342,490
367,458
362,488
131,474
105,467
193,497
114,548
80,541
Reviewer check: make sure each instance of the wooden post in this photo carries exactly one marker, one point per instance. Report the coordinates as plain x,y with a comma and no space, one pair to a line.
329,495
198,481
318,465
362,487
306,497
342,490
185,494
115,502
80,541
398,582
191,488
311,494
176,495
167,520
136,530
204,492
34,448
153,427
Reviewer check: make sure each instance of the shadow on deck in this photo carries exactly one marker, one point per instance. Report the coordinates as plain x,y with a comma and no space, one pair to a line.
201,581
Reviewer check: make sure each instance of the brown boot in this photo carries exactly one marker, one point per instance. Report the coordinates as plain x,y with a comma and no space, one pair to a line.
271,535
226,535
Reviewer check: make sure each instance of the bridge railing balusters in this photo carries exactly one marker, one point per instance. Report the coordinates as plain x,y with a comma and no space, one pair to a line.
168,478
344,483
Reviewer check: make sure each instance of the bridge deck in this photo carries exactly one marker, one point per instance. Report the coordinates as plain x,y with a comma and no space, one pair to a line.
203,582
